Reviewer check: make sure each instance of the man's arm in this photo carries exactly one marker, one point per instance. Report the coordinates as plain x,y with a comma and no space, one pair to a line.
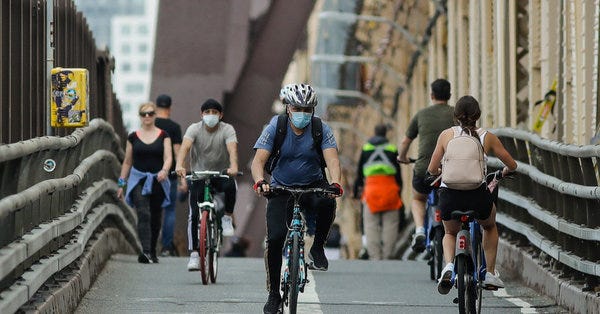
258,171
333,164
183,151
258,164
233,158
404,145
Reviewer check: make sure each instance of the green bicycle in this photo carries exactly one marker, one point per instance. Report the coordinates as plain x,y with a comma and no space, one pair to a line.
210,234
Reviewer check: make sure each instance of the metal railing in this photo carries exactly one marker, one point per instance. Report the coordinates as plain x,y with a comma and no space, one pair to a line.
555,201
48,217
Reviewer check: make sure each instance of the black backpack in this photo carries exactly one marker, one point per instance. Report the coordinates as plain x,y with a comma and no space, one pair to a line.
280,132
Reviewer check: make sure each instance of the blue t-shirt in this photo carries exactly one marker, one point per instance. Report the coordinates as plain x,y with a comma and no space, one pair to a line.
298,162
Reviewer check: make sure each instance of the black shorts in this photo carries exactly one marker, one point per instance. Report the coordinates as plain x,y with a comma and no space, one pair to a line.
418,183
480,200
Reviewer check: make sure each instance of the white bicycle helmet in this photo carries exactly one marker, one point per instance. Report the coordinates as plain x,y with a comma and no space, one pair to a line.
298,95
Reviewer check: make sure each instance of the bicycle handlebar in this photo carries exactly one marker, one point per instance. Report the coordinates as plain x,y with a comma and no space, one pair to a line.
201,175
498,175
279,189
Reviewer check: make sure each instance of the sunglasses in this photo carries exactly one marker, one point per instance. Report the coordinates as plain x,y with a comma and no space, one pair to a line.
147,113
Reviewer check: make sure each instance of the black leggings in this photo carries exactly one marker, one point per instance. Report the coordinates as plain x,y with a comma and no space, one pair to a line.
149,213
279,216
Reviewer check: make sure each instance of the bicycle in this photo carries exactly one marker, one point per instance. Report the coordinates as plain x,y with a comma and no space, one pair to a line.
210,234
469,261
294,276
434,233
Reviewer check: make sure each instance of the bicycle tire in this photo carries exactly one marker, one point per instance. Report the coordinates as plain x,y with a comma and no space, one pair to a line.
431,262
204,245
471,292
438,250
480,260
466,304
294,278
215,242
431,253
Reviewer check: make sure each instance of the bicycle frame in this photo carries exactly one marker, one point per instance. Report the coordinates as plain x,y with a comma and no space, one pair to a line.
433,222
467,261
468,242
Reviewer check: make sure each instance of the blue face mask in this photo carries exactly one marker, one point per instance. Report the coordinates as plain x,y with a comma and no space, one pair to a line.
301,119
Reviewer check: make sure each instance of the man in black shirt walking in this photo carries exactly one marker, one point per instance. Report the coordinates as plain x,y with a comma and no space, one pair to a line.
163,121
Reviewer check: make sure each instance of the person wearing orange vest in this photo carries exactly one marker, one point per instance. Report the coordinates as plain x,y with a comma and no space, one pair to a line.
380,180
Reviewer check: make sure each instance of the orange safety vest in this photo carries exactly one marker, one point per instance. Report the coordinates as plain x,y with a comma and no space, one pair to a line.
382,193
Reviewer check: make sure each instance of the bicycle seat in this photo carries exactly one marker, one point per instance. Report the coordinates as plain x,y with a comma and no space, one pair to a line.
458,214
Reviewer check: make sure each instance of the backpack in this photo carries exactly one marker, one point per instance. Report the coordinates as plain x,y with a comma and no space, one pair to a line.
463,165
280,132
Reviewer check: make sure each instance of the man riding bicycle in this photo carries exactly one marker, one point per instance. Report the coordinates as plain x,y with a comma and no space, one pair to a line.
299,165
428,123
213,146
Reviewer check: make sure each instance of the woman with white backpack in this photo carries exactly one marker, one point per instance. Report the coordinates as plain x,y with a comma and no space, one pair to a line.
460,157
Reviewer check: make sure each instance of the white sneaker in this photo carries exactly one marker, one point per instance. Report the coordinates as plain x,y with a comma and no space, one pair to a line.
445,281
194,263
227,225
493,281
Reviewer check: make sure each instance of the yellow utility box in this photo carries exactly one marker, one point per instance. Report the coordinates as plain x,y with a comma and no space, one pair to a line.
70,103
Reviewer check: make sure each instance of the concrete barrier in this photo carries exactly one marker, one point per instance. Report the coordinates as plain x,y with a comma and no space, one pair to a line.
570,295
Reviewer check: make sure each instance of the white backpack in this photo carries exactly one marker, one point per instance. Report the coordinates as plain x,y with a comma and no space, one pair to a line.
463,165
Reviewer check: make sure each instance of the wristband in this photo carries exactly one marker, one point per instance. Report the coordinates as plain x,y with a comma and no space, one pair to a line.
121,182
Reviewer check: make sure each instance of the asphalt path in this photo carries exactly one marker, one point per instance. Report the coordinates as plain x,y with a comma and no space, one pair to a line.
349,286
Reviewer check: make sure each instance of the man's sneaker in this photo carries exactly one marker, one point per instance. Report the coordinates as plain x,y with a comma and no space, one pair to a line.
227,225
144,258
418,242
445,281
319,260
194,263
492,281
273,305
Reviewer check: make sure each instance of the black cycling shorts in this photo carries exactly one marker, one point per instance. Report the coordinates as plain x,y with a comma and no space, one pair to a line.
418,183
480,200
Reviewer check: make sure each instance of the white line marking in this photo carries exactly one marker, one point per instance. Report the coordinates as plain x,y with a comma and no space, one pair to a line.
525,307
308,302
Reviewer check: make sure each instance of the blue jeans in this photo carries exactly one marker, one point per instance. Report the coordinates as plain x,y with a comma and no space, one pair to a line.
169,218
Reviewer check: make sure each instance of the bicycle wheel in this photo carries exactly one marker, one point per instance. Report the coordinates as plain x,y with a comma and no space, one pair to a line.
480,270
215,242
438,250
294,273
465,286
204,247
471,292
431,254
431,262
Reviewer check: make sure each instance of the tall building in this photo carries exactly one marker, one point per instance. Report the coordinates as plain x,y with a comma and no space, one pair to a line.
127,27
